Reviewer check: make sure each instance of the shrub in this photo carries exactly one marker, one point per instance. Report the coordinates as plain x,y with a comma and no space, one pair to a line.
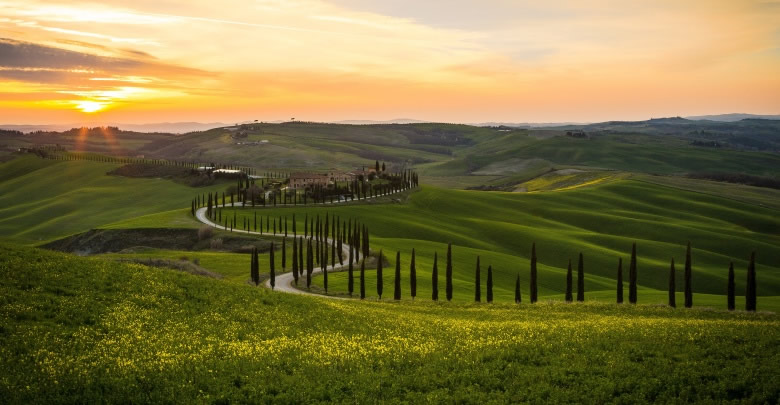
205,232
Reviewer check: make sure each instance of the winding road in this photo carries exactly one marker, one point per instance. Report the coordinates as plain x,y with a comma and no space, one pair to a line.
285,281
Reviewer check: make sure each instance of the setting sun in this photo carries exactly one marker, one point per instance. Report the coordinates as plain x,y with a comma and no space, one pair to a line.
89,106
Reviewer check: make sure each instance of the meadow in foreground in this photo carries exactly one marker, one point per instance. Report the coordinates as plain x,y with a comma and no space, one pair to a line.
87,330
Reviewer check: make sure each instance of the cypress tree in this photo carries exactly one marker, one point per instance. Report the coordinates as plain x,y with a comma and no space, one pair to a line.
309,264
273,271
413,277
295,260
632,276
284,253
301,264
620,281
533,274
350,280
518,298
580,280
490,284
730,303
568,283
435,277
325,277
448,274
363,279
688,271
672,286
379,279
477,286
750,290
252,267
397,286
255,224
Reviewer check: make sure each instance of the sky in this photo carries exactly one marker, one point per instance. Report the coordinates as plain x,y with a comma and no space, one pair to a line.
464,61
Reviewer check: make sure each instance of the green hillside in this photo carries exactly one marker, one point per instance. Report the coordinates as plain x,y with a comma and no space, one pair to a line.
41,199
601,221
87,330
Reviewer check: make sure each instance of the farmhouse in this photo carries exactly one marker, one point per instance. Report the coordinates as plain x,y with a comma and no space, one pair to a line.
337,176
303,180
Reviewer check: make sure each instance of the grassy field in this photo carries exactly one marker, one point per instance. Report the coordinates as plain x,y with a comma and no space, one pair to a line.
602,221
88,330
41,199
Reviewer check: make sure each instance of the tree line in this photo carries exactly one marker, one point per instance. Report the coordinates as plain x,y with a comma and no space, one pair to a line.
362,235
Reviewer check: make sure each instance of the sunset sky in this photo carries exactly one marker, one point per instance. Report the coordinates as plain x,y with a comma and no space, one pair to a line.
453,61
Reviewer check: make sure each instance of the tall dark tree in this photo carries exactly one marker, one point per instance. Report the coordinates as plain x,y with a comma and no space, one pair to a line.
397,286
632,276
284,253
518,297
435,277
730,301
300,257
580,280
309,263
448,274
688,275
273,270
750,289
325,277
477,282
490,284
620,281
672,286
350,279
413,277
295,260
377,166
363,279
379,277
568,283
533,274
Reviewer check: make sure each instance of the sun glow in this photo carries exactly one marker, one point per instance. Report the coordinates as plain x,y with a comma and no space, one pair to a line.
89,106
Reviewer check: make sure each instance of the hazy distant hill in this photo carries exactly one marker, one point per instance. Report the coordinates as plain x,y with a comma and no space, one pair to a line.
733,117
167,127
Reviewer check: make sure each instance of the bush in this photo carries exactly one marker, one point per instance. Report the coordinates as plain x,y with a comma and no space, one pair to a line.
216,244
205,232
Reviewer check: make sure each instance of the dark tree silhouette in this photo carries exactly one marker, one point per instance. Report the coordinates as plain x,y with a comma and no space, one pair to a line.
632,276
273,271
580,280
413,277
363,279
309,263
350,279
435,277
730,302
325,277
688,275
397,284
750,289
284,253
672,286
379,278
533,274
490,284
448,274
477,282
620,281
295,260
518,298
568,297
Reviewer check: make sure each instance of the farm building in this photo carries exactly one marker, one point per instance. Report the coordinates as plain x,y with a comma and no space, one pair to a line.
303,180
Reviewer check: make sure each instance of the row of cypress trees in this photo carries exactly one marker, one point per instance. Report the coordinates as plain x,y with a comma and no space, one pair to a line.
750,296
